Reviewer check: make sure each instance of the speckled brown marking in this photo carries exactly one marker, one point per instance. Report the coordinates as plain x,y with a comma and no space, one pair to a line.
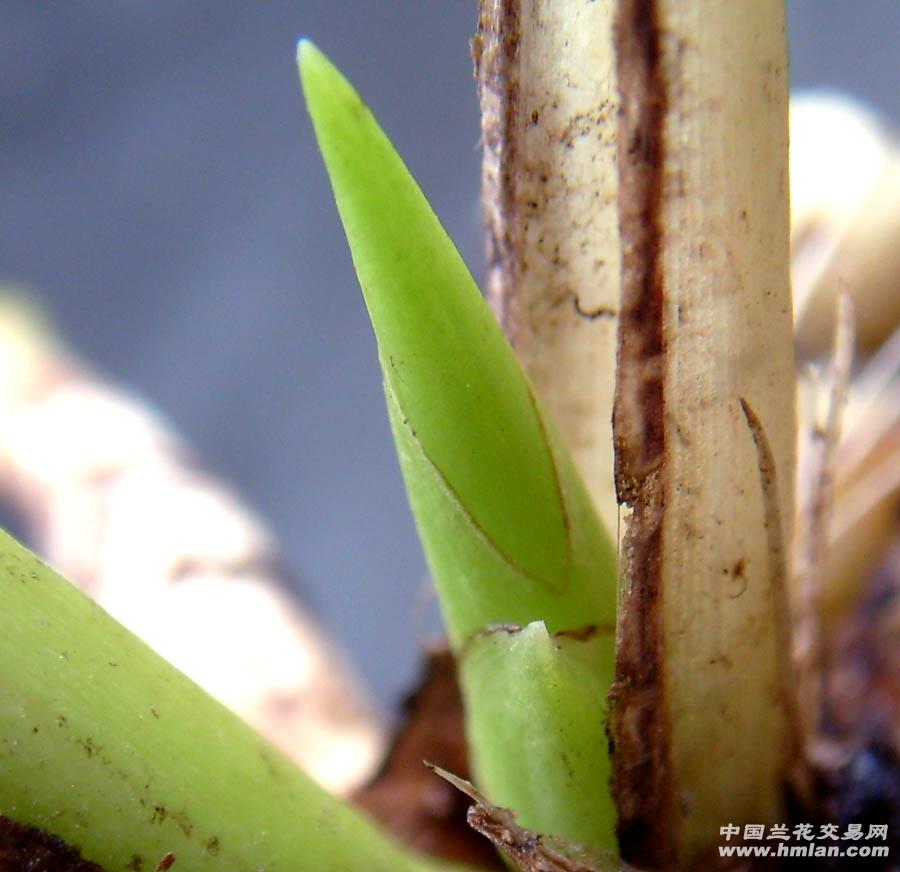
639,726
166,863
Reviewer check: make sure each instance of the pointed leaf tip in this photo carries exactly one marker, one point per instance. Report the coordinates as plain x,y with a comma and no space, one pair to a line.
311,60
494,495
451,371
317,73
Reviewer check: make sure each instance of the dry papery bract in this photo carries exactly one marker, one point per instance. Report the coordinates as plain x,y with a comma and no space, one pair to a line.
529,851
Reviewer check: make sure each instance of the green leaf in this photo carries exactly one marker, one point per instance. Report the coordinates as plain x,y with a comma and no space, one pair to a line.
507,527
539,733
107,746
509,531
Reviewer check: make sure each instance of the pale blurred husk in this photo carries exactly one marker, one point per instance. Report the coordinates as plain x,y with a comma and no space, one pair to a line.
845,167
118,504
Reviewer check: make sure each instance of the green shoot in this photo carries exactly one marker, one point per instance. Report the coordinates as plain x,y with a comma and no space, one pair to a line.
510,534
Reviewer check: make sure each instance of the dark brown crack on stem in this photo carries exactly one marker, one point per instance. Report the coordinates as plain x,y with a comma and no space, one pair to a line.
495,51
639,729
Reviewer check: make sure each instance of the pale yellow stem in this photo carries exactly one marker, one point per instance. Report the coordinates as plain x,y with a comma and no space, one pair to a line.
547,87
705,328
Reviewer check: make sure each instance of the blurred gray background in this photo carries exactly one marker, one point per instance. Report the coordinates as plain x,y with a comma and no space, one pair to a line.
162,195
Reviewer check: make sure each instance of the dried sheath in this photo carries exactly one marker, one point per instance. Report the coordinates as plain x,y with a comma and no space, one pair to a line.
699,723
546,82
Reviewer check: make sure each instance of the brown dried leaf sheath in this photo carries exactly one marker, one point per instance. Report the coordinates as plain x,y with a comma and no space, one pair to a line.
549,188
699,720
529,851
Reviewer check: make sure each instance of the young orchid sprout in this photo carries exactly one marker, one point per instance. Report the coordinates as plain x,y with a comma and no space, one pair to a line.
523,567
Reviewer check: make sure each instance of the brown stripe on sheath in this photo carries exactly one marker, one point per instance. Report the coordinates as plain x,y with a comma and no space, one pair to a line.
639,729
495,51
